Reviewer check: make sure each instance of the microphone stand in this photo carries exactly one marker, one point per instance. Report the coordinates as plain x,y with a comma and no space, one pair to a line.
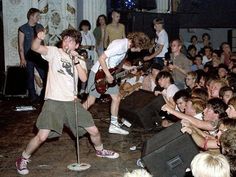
76,166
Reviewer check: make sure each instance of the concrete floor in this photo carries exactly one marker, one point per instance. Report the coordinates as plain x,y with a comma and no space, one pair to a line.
52,158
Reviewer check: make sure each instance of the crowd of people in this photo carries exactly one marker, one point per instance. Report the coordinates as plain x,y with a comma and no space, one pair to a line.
196,81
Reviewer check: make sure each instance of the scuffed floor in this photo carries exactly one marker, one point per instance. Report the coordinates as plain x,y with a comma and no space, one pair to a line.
52,158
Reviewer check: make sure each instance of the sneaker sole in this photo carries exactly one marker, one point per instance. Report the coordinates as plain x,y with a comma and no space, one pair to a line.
109,157
118,133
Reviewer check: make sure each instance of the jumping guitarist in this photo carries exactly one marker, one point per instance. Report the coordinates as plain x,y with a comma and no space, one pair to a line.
111,58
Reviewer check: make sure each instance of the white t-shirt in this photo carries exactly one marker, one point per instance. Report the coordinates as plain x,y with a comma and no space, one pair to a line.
115,53
133,80
199,116
170,91
89,39
205,59
162,40
60,82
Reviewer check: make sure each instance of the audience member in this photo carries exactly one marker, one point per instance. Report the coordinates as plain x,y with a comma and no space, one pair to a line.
191,52
88,40
114,30
149,81
180,98
99,33
190,81
215,88
226,93
231,110
161,41
166,81
197,63
228,148
226,53
210,165
223,71
180,64
207,55
29,58
138,173
200,93
214,111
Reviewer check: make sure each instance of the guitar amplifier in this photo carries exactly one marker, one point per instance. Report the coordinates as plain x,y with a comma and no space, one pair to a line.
142,108
15,82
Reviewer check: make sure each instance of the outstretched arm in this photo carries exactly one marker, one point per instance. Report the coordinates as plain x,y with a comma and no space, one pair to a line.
36,44
205,125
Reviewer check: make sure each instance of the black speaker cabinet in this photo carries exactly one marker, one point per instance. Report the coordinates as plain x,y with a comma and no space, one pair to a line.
169,152
15,82
142,108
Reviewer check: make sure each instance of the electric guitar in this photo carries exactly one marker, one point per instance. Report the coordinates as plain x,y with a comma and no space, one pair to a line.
101,83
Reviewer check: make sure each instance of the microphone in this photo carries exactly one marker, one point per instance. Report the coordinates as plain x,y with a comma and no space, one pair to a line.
68,51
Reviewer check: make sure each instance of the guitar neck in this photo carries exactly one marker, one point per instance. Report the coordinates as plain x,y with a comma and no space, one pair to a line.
124,73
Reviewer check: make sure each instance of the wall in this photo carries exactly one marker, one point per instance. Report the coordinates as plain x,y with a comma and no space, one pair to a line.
90,10
55,18
218,35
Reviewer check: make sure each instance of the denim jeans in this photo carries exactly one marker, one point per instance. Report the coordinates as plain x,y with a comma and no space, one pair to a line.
30,79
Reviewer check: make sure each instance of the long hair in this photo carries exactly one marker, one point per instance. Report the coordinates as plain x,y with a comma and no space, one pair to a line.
139,39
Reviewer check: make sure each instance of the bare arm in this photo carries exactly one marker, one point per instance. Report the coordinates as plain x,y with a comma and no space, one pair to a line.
159,49
82,73
21,37
123,35
36,45
102,61
201,138
105,42
205,125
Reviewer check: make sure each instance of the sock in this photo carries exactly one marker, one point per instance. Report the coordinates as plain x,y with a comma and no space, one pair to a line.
114,120
26,156
99,148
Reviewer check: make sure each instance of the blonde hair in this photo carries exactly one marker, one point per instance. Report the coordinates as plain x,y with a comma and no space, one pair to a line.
198,104
210,165
232,102
138,173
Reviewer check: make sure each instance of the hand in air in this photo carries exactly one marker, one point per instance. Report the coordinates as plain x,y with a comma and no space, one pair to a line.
41,34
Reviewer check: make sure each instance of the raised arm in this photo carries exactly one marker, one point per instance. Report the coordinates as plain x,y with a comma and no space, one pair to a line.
205,125
36,44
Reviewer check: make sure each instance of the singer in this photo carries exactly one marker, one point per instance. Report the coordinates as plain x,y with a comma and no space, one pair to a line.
58,109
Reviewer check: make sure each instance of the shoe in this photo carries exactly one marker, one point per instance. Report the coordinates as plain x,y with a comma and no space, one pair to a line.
117,130
107,153
140,163
21,166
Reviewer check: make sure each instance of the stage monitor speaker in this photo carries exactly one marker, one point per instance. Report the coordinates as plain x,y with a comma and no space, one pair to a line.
15,82
142,108
169,152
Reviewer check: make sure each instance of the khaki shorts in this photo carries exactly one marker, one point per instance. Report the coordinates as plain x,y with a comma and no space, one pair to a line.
91,90
56,114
